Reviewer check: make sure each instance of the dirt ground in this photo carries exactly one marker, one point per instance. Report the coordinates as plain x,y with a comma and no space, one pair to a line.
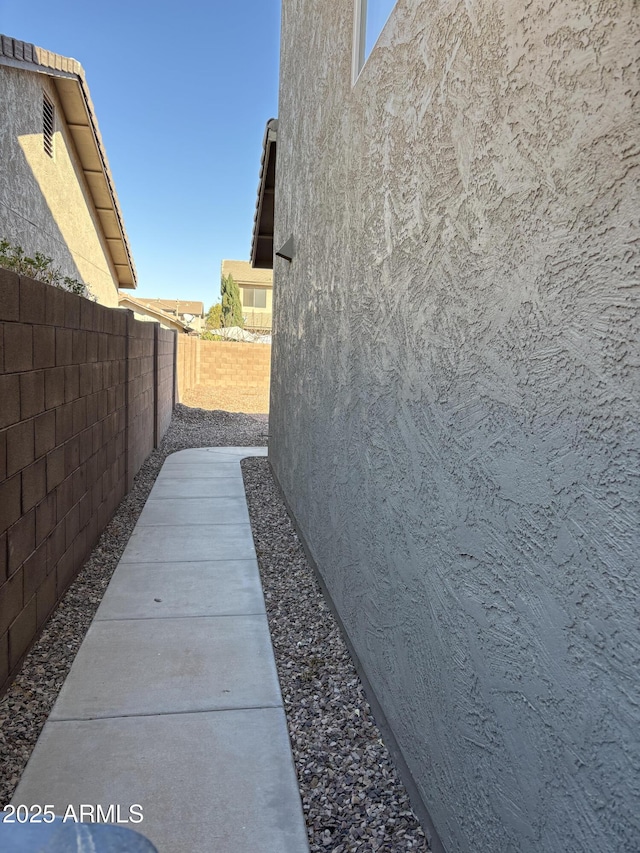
227,400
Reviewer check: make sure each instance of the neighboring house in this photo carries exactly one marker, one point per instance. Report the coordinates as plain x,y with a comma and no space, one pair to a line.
142,310
256,293
455,411
189,313
57,194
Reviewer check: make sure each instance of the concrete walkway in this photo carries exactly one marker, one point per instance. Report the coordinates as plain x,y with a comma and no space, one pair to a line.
173,702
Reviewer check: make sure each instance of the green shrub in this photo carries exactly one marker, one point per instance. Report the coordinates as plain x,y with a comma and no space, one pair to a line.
213,319
38,267
231,305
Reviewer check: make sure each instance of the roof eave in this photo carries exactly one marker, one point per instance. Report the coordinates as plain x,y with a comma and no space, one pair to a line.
262,237
69,80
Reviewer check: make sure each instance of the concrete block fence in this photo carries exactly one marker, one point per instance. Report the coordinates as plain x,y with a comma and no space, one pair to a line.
223,364
86,392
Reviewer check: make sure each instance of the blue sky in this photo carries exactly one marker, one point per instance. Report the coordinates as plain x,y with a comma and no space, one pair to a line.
182,92
377,14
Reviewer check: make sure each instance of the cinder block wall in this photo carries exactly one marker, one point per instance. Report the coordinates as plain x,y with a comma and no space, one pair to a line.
223,364
140,394
78,416
165,366
188,353
235,364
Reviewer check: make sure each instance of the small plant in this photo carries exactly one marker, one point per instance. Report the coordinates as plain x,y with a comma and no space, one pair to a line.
39,267
213,320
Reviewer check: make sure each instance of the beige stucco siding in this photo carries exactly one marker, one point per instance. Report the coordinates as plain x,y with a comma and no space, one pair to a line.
261,318
260,279
45,204
268,296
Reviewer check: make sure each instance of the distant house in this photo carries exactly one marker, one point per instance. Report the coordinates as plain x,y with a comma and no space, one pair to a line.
57,194
455,399
189,313
256,291
149,313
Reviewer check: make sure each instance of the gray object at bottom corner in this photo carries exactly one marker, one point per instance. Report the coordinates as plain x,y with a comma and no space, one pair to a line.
61,836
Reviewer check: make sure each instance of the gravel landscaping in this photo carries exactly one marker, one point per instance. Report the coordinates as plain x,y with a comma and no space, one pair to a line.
228,399
352,797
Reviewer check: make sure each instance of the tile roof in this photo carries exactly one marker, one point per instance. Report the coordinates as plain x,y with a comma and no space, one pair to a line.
22,51
183,306
243,273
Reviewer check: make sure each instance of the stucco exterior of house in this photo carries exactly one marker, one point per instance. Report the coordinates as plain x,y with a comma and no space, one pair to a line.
57,194
256,293
455,404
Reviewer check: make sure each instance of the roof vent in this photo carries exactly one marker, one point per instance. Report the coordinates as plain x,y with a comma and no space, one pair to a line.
48,115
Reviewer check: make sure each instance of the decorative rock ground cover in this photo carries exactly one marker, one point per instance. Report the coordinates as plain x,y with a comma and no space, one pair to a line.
352,797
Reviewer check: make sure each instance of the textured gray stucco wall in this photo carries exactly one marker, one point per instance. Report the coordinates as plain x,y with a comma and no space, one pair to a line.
455,395
45,203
